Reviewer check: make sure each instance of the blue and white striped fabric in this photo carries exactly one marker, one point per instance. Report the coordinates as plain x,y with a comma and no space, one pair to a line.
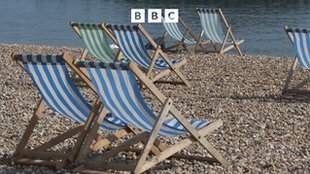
211,25
174,31
301,41
120,94
131,45
50,76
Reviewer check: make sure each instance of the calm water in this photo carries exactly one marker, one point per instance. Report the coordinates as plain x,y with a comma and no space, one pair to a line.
46,22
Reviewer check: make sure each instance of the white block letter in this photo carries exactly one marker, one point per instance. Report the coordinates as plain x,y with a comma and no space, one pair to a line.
137,15
172,15
154,15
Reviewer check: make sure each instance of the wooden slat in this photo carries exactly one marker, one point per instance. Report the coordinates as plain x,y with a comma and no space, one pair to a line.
232,46
180,145
32,123
43,154
105,143
35,162
163,114
60,138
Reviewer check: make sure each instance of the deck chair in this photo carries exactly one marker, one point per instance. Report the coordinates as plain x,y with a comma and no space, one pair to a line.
58,92
119,91
95,41
187,40
212,29
130,42
300,38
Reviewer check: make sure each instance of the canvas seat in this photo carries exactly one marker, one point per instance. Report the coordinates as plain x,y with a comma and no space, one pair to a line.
116,85
212,21
131,45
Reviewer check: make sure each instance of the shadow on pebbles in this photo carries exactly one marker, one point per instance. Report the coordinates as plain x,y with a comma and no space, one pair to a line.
263,131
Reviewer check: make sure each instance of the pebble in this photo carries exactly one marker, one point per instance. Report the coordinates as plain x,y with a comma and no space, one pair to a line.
263,131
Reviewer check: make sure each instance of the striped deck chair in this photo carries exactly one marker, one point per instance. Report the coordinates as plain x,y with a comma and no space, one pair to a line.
131,45
118,90
212,29
95,41
58,92
301,41
186,38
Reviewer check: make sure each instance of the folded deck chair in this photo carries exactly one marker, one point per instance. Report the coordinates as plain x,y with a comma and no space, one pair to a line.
301,41
130,42
186,40
118,90
95,41
58,92
212,29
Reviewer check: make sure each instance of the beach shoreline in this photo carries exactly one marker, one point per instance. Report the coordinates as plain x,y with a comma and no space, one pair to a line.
263,131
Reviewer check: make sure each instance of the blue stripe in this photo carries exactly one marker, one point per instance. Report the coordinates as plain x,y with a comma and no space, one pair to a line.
117,95
49,94
57,70
96,85
48,75
69,94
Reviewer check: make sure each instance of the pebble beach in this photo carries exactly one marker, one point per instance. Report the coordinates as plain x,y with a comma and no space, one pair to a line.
263,130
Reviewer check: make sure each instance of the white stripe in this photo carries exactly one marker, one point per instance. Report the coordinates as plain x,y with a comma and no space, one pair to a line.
52,90
77,99
102,93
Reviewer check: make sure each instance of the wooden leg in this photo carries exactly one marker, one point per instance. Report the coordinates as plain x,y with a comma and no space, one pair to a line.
167,71
290,75
199,40
84,53
198,137
86,128
33,122
232,46
85,149
224,41
59,138
181,145
302,84
236,44
153,135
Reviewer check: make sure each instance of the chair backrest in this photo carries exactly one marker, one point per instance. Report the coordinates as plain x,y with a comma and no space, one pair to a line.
95,41
301,41
130,42
49,74
211,24
174,31
119,92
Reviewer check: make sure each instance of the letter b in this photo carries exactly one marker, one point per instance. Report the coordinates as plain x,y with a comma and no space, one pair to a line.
154,15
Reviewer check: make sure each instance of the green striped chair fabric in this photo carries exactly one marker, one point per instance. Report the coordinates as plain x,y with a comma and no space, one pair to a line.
95,41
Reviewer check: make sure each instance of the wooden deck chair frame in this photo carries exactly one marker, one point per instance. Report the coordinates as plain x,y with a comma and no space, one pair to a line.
297,89
93,135
157,54
148,139
228,34
181,45
55,159
87,133
84,53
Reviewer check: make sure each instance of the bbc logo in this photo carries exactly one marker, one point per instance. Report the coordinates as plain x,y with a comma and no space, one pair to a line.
154,15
